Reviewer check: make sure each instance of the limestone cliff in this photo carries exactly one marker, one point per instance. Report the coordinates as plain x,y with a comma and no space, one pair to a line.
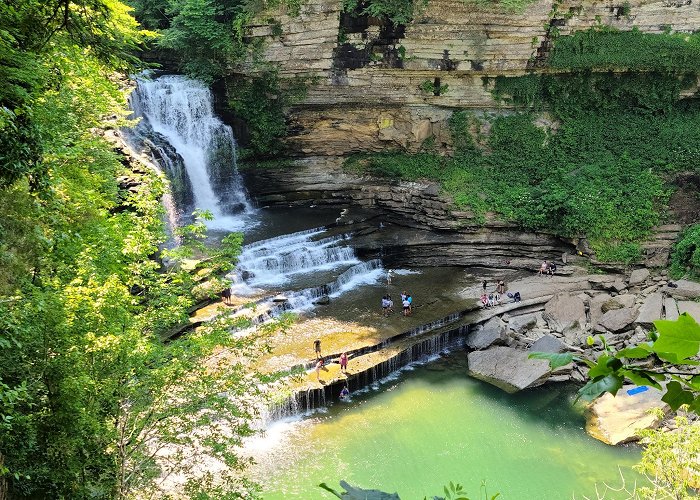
380,85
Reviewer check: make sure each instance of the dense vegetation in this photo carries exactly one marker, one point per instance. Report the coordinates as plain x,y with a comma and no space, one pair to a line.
208,39
588,153
89,394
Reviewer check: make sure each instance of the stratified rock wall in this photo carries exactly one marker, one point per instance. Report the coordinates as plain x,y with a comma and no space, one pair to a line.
377,85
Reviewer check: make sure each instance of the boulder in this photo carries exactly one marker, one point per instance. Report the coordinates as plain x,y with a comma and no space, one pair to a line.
354,493
595,306
685,289
521,324
619,285
547,343
492,332
651,309
638,276
692,308
564,312
507,368
617,320
618,419
322,301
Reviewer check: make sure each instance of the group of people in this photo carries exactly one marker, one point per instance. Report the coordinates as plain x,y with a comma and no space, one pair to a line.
406,304
491,299
548,268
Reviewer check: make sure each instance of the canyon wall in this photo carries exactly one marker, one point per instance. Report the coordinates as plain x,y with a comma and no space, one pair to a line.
381,86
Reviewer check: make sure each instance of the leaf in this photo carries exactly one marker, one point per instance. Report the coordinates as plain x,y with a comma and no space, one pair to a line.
640,377
680,337
555,359
675,395
329,489
610,383
639,351
602,367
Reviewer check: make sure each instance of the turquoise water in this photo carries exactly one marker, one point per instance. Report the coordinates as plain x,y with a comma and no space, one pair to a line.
433,425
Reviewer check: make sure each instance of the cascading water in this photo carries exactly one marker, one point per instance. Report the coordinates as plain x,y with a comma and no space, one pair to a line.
273,262
196,149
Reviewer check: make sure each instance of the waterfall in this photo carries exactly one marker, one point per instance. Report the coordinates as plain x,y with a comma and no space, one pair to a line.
275,261
197,150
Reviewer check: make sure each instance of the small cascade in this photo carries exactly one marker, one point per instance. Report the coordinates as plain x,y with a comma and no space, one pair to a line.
195,148
275,261
421,351
360,274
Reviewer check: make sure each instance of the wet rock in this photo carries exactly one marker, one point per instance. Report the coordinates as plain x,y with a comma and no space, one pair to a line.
547,343
638,276
564,312
617,320
507,368
651,309
279,298
492,332
618,419
322,301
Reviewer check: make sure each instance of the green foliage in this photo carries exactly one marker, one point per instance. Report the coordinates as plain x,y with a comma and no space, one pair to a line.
609,49
669,460
676,343
428,86
685,259
397,11
514,6
261,100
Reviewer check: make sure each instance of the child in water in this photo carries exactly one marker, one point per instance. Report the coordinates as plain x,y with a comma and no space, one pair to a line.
345,393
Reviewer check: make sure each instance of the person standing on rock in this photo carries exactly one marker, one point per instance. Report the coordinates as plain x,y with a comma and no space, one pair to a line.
317,348
501,287
343,362
406,306
483,285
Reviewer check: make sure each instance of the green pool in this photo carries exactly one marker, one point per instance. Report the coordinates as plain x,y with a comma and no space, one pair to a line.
432,425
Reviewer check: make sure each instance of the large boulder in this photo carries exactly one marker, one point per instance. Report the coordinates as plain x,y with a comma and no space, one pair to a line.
547,343
651,309
617,320
565,312
524,323
638,276
618,419
492,332
685,289
507,368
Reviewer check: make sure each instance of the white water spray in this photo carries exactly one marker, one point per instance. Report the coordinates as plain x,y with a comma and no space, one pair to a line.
181,110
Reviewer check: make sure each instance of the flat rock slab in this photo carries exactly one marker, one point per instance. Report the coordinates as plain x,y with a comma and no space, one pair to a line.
508,368
595,306
651,309
638,276
565,311
692,308
671,309
617,320
618,419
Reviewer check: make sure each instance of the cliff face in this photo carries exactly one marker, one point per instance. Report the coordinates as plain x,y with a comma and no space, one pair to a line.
381,86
